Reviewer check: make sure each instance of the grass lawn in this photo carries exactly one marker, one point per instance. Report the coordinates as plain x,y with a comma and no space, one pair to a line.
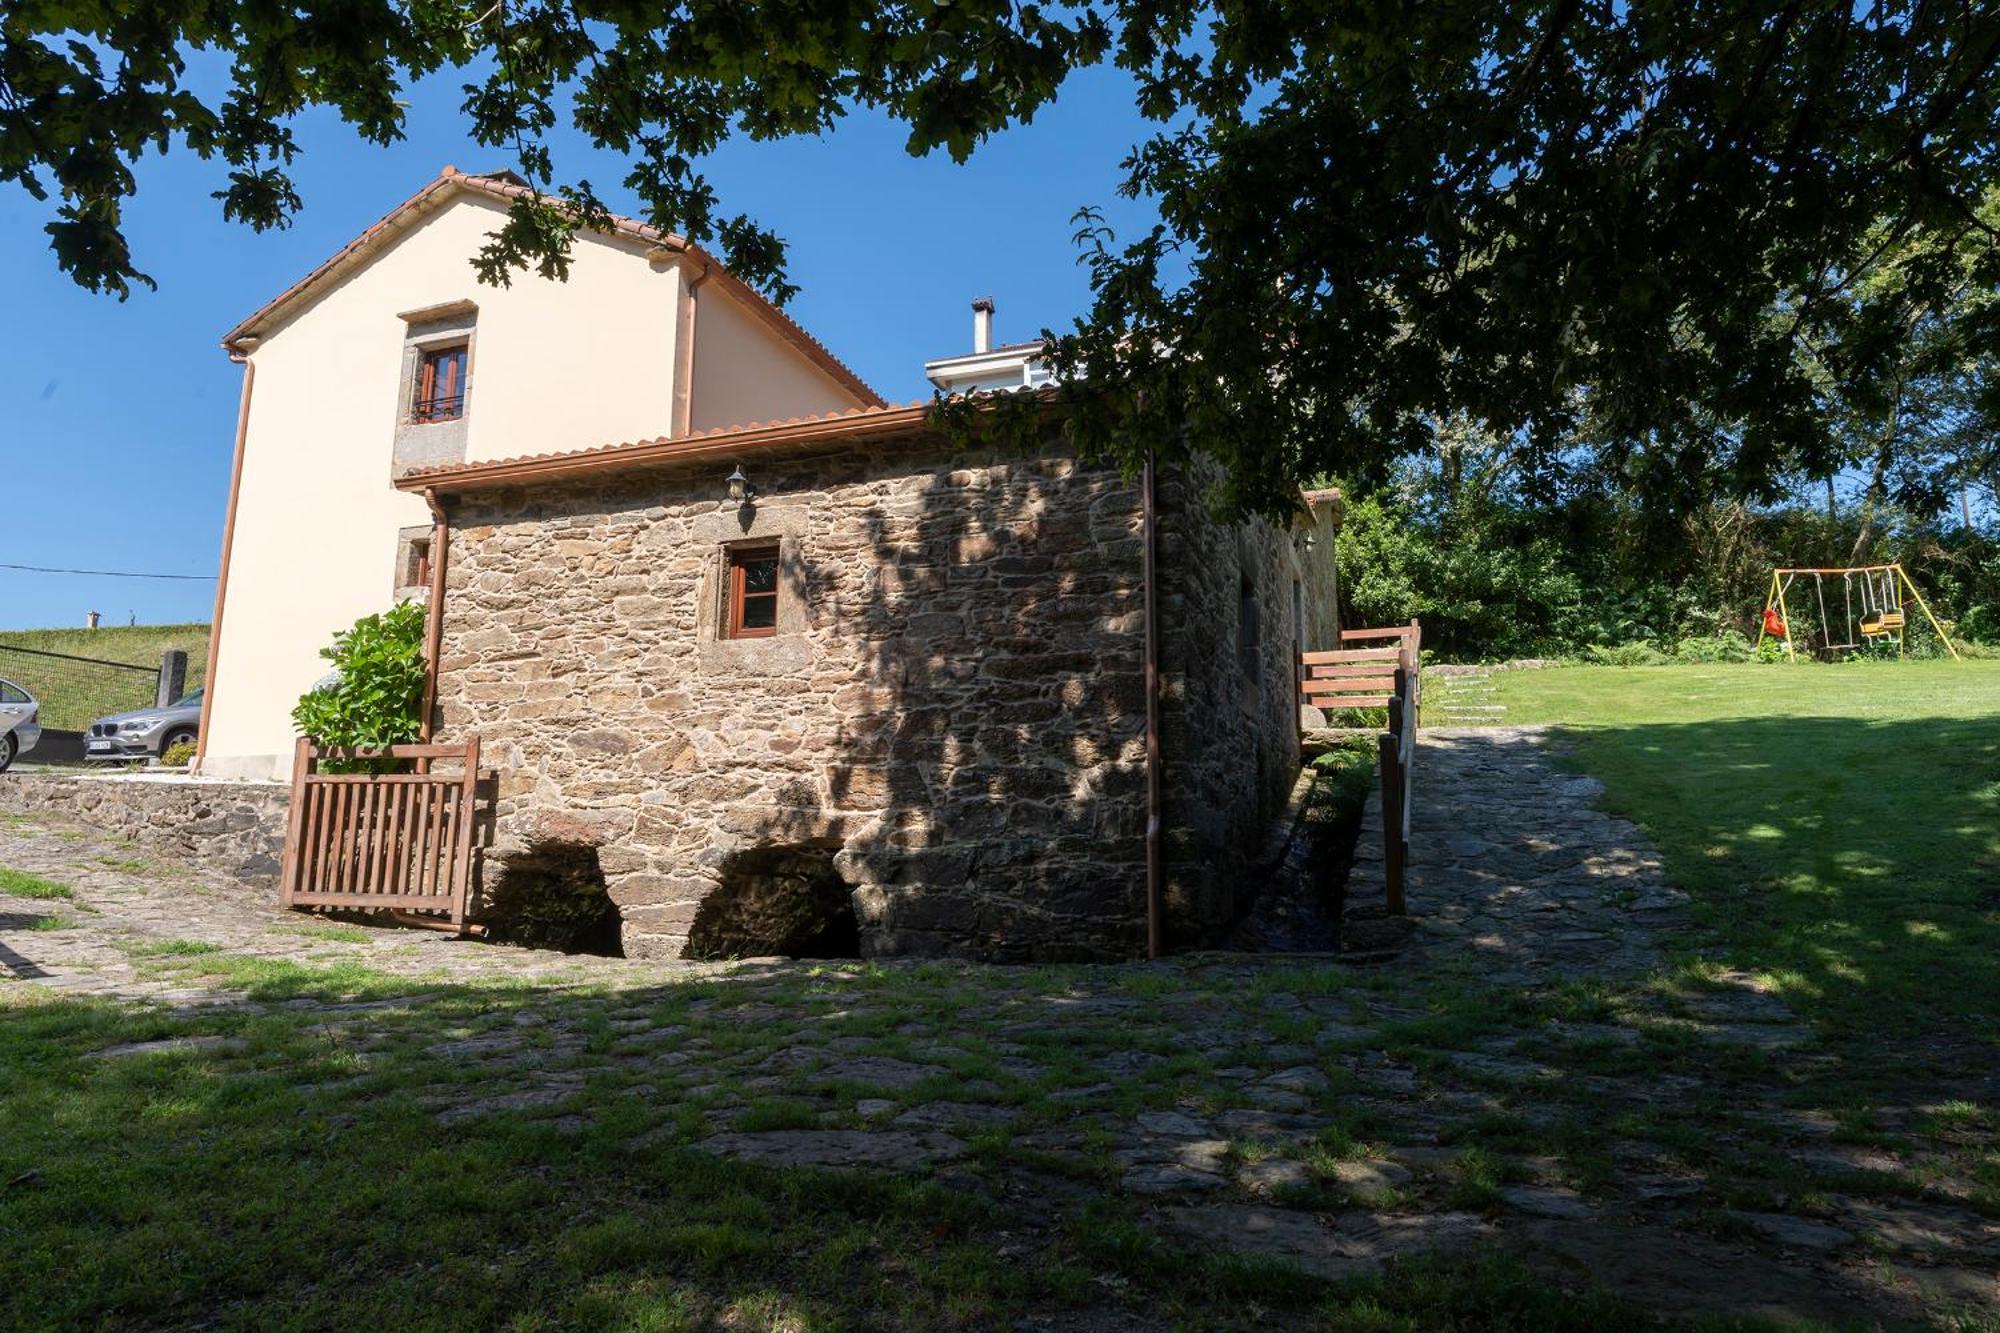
1838,826
72,693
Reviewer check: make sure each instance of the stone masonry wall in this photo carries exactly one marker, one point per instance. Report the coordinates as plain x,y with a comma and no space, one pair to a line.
952,708
238,827
1230,715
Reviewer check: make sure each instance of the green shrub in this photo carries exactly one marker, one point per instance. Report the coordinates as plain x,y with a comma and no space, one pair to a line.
1728,646
178,755
1637,653
552,896
377,699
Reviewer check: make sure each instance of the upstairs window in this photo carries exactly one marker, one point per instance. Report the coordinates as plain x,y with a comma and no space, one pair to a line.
440,387
753,592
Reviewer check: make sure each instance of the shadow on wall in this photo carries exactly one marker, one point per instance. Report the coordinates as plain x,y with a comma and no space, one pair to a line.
985,788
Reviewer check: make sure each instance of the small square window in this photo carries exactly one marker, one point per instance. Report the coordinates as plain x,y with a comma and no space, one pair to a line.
439,393
753,592
418,571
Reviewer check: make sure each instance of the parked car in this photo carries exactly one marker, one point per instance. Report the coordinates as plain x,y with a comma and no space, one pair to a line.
19,724
145,732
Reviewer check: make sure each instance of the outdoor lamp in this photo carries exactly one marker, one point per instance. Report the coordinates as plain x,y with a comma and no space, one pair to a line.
740,489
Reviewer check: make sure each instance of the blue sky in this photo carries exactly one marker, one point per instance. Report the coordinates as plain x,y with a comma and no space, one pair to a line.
117,419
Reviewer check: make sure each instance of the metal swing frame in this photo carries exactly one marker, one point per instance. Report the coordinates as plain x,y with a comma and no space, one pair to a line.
1895,582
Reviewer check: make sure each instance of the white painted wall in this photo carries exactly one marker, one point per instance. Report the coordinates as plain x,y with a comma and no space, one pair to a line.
744,372
554,366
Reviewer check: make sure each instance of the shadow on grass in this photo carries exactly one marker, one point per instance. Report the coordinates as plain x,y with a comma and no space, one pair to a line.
301,1162
1850,860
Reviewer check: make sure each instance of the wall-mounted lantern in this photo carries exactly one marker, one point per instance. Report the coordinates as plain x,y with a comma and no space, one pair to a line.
740,489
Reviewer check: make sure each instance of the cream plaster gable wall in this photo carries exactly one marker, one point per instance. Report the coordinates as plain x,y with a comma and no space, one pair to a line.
553,366
745,372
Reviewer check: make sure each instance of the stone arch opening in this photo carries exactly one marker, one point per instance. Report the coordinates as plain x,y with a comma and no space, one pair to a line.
777,899
551,895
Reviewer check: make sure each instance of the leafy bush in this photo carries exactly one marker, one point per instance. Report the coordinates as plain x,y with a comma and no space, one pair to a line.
178,755
1481,587
1637,653
376,699
1728,646
552,896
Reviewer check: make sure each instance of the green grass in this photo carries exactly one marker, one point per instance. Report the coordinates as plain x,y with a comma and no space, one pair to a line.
20,884
1837,826
73,693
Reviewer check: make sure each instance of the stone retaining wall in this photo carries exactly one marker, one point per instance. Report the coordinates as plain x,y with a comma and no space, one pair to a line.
237,828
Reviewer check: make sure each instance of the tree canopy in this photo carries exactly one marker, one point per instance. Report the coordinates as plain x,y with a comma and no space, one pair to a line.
1665,218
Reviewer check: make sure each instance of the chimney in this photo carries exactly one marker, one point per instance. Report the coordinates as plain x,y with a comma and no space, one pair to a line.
982,324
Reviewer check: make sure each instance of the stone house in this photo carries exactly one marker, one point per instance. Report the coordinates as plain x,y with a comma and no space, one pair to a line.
833,654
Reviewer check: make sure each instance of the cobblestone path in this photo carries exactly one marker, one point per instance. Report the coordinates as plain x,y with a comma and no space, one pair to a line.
1525,1075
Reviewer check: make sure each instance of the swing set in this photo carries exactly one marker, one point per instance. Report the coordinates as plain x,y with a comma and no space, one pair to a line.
1879,605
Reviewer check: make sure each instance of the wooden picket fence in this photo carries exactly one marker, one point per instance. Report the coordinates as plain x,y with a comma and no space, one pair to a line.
395,842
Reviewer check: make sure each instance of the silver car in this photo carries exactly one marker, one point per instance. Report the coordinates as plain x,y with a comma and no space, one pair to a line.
19,727
145,732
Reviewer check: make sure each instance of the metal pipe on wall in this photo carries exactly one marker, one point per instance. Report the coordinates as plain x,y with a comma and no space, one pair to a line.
1155,906
434,615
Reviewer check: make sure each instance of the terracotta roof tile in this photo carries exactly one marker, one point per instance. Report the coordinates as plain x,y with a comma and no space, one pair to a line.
666,449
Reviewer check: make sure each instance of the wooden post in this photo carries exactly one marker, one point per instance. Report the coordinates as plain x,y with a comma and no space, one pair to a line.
461,869
294,822
1392,822
1393,846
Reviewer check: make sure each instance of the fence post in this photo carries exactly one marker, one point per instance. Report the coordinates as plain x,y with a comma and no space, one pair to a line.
1392,820
173,677
1390,746
295,816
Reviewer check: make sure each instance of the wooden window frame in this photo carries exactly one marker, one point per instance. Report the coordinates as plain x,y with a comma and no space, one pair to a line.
736,559
423,392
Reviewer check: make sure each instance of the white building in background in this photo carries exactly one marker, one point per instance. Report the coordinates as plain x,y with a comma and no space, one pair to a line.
989,369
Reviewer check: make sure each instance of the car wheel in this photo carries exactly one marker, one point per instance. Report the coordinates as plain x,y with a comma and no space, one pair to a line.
176,737
8,746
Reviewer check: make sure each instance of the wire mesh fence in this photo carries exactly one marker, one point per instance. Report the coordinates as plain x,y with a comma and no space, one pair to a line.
74,690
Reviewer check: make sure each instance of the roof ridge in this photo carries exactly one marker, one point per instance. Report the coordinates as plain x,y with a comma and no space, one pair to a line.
762,304
503,185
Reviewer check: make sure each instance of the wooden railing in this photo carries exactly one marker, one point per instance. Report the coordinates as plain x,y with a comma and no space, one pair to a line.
1344,678
1387,677
396,842
1396,749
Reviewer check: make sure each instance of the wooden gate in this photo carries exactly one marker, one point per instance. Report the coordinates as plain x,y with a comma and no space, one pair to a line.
397,842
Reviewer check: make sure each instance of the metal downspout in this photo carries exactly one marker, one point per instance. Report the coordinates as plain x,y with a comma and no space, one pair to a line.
1155,908
434,616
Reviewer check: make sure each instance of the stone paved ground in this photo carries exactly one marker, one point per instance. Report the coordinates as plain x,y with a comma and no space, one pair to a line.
1524,1075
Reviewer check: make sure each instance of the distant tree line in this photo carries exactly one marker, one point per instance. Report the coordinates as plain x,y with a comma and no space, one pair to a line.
1496,568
